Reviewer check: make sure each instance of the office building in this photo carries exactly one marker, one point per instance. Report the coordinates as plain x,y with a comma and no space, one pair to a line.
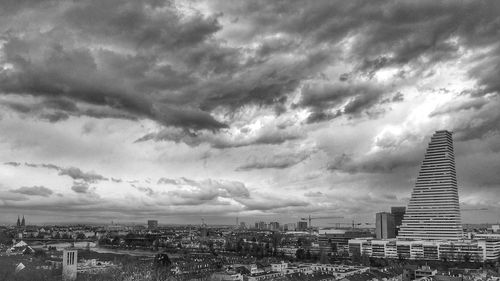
433,212
301,225
385,227
336,240
445,250
152,224
274,226
398,213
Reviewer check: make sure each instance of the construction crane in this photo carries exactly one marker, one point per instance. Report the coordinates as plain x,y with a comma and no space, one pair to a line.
317,218
353,224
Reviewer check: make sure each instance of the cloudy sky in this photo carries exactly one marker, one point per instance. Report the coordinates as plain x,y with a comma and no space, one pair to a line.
266,110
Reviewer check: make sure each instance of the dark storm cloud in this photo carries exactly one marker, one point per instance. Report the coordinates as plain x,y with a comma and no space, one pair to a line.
277,161
149,60
33,191
55,109
265,136
323,97
40,67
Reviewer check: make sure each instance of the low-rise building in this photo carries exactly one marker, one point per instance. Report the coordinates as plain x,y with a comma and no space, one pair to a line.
450,250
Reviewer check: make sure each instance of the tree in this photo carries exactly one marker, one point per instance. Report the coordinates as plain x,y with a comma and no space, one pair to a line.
80,236
299,241
467,257
323,257
356,257
300,254
365,260
39,253
308,254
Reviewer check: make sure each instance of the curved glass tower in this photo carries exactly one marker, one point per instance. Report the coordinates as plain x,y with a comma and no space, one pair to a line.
434,212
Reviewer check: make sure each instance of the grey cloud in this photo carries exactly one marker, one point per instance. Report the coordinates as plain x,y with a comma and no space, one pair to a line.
14,164
167,181
77,174
209,190
454,106
80,187
271,203
206,190
265,136
72,172
47,75
481,122
385,161
33,191
314,194
169,67
277,161
147,190
398,97
322,98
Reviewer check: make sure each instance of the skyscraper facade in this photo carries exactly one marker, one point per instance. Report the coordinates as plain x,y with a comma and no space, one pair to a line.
398,213
385,227
433,212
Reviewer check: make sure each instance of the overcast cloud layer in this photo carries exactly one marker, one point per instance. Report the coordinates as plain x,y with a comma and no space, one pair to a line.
129,110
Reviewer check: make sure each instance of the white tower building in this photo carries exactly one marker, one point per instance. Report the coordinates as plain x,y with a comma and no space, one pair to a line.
433,212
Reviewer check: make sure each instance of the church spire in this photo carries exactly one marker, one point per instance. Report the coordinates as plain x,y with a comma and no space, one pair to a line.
23,222
18,221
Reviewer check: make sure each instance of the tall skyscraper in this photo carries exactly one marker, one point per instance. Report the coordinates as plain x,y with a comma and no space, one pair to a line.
433,212
385,227
398,213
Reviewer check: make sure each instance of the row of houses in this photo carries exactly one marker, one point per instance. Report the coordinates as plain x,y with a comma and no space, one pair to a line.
277,270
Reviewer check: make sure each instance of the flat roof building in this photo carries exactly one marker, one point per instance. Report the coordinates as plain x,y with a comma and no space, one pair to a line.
385,227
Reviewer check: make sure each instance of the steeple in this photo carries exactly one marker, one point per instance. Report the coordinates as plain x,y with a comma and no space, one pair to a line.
18,222
23,222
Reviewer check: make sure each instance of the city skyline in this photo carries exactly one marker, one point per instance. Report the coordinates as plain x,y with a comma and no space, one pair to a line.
176,111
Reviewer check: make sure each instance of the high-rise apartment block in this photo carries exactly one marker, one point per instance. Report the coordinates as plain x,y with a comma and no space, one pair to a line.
433,212
385,227
398,213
